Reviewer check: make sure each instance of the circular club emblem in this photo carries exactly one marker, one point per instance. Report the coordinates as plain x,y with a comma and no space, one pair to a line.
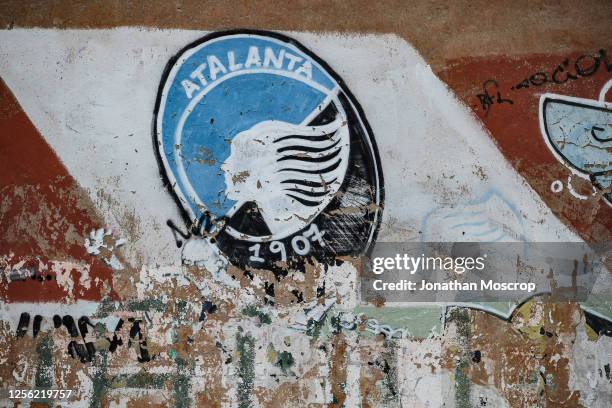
267,152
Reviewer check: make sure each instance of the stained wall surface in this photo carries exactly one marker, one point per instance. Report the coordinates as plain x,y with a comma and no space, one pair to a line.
430,122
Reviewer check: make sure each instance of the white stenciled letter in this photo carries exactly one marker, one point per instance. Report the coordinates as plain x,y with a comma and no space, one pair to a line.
231,58
189,87
270,57
305,69
293,59
198,74
253,58
215,67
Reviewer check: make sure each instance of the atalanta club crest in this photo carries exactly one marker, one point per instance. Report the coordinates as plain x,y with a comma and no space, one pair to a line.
267,152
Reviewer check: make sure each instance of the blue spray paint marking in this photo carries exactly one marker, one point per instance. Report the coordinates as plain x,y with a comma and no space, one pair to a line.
472,216
581,134
231,106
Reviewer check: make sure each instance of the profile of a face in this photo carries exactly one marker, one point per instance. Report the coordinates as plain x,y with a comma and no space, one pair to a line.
242,169
290,171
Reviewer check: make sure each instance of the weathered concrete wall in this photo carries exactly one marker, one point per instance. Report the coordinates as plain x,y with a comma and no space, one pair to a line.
117,283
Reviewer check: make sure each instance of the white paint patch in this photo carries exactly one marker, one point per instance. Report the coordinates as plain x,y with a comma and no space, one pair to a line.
63,271
91,93
341,281
353,377
588,371
103,239
421,381
314,312
486,396
201,253
85,390
10,312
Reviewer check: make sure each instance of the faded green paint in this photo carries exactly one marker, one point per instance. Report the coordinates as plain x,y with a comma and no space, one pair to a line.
461,318
44,367
462,386
245,346
141,379
100,380
182,384
252,311
313,328
109,306
421,322
182,379
285,361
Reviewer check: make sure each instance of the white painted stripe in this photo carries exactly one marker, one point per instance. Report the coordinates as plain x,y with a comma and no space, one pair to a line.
91,93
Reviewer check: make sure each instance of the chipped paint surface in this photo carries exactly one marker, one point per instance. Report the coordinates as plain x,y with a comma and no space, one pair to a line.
120,288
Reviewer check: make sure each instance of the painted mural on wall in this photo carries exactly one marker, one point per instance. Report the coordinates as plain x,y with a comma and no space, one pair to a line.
266,149
578,132
565,100
217,266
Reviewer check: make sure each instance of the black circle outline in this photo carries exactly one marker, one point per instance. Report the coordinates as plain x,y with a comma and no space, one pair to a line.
344,88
